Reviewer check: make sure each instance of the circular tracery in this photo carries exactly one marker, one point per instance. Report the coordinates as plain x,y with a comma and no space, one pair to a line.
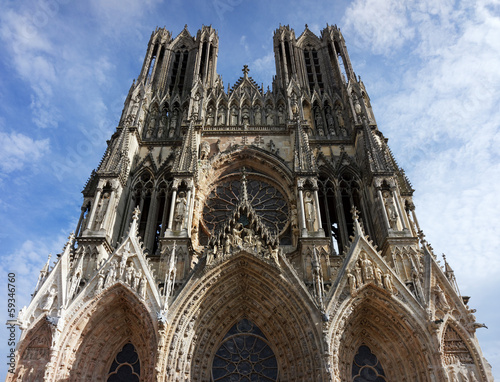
244,355
267,201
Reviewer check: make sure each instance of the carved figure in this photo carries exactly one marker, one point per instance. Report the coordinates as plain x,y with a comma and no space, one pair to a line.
130,274
210,116
221,116
378,277
180,211
367,266
245,116
440,298
258,115
352,283
237,241
310,210
281,114
392,213
101,210
173,123
388,282
110,278
196,105
234,116
51,295
269,115
204,150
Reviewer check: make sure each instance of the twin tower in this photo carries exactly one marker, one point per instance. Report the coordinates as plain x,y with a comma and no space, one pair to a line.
248,234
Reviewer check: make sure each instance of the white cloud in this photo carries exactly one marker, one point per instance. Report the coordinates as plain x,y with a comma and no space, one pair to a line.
381,25
18,150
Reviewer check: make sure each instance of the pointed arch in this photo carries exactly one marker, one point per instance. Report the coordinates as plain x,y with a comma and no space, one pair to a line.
34,352
100,328
244,287
392,334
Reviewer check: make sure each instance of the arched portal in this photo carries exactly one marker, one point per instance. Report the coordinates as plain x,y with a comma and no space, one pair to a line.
249,290
101,336
374,341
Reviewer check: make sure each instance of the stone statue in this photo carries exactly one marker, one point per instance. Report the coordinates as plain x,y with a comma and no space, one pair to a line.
204,150
340,118
258,115
378,277
221,116
309,210
440,298
269,115
101,210
210,116
51,295
281,115
245,116
130,274
196,105
137,278
352,283
367,266
388,282
180,211
110,278
237,230
390,208
234,116
173,123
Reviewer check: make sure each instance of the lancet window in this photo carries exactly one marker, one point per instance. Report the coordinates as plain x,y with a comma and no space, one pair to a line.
329,212
180,60
313,68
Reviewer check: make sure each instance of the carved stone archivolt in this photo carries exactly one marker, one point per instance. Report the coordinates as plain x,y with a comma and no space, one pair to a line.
108,322
243,288
373,320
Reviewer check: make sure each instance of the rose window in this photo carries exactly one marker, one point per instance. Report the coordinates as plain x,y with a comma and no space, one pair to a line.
244,355
266,200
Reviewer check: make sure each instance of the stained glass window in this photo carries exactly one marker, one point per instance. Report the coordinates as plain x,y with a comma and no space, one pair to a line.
244,355
126,366
366,367
267,201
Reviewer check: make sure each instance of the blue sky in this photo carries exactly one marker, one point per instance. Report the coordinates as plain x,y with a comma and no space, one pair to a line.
430,67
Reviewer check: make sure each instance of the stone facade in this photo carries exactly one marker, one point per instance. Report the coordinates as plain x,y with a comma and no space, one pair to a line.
248,234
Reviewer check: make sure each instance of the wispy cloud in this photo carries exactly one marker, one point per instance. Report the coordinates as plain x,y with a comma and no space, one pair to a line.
18,150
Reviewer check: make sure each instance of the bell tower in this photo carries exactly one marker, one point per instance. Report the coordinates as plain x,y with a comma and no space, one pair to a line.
248,234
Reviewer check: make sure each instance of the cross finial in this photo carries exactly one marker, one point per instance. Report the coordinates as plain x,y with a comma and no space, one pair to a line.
245,70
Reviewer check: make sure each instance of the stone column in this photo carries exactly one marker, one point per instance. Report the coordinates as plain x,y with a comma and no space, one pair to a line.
151,222
302,213
398,206
172,208
164,216
190,212
105,221
97,198
318,213
78,226
188,209
386,219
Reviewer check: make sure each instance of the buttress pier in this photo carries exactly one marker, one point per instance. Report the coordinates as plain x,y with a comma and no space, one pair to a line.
248,234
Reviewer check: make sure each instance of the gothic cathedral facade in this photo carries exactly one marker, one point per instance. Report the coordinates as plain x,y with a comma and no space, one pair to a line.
248,234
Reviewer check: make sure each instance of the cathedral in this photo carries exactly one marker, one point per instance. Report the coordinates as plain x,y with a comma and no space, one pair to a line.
246,233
